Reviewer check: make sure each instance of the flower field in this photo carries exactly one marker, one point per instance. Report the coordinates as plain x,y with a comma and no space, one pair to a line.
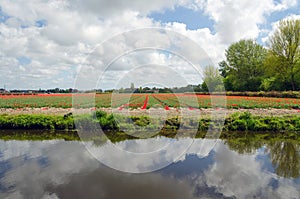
143,101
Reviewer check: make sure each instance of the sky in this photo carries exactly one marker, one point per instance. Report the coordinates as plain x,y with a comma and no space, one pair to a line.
109,44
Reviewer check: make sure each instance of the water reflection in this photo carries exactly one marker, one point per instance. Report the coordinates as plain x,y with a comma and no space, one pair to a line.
285,157
60,169
244,144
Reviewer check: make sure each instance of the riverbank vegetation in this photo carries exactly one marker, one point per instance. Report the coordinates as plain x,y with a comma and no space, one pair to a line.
234,122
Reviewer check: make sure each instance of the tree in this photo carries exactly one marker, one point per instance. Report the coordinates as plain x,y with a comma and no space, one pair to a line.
212,79
224,70
244,66
267,84
121,90
132,86
284,56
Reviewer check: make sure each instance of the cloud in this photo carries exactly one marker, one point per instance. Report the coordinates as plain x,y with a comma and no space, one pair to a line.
238,20
58,35
105,8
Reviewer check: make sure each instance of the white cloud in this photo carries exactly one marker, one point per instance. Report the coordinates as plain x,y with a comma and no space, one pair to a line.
237,20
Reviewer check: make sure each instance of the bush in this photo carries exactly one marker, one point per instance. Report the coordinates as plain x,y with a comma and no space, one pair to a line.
277,94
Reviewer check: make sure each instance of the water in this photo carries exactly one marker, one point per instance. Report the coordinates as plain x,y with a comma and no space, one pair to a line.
217,169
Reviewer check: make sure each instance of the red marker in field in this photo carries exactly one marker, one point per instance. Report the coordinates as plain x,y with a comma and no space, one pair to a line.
145,103
122,107
167,108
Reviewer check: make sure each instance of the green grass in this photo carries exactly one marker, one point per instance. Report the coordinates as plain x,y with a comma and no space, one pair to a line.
36,122
235,122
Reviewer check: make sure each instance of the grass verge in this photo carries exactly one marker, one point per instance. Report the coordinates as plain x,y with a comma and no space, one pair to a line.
241,122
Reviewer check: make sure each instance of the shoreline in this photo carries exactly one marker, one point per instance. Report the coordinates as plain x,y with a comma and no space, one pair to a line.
36,135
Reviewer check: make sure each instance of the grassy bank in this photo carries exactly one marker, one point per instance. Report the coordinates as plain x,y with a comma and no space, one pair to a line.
235,122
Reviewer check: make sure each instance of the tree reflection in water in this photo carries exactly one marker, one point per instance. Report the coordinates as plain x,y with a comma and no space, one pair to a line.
285,157
284,154
244,145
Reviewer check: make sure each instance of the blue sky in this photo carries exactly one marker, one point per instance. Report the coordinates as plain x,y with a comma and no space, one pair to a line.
191,18
44,44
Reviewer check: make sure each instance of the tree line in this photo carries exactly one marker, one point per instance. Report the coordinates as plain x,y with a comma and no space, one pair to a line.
250,66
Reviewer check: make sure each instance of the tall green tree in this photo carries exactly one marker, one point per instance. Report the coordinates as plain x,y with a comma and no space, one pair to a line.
244,66
212,79
224,70
284,55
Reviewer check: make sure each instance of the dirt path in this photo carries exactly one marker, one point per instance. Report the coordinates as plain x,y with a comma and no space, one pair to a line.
152,111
